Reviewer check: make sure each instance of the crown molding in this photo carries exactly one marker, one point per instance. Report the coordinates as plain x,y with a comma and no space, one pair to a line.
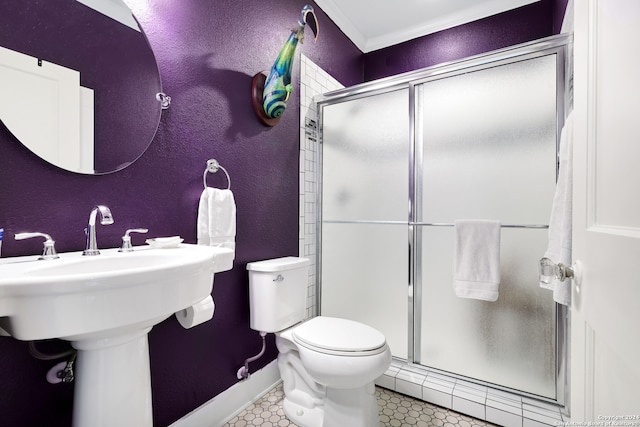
432,25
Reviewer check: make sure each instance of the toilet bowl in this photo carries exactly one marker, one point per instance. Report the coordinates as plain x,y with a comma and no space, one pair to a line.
328,365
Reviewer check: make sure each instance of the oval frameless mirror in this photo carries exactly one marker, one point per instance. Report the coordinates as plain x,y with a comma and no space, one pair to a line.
79,82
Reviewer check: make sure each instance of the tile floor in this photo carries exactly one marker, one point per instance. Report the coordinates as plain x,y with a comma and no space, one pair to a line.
396,410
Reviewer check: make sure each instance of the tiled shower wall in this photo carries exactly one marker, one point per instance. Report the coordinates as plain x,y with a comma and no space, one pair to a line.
313,81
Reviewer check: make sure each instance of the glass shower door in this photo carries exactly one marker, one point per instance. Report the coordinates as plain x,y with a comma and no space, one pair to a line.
365,211
488,142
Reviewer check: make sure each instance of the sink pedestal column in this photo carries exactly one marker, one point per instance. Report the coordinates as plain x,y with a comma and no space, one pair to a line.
113,382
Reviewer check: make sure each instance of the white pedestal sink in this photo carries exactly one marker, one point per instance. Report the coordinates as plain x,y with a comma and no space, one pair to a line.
105,305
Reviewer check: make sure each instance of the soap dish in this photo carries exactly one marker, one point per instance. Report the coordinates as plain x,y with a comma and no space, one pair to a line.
164,242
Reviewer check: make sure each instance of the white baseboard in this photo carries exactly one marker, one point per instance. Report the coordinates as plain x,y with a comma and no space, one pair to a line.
233,400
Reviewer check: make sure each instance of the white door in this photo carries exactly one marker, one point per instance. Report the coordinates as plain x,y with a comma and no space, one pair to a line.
605,344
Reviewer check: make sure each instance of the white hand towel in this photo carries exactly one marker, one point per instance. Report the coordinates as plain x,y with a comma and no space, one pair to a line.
559,249
217,222
477,259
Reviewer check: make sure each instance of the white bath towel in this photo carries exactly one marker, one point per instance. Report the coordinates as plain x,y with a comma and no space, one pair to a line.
477,259
217,222
559,249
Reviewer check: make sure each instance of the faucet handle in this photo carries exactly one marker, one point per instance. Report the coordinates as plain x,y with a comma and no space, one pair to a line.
49,251
126,239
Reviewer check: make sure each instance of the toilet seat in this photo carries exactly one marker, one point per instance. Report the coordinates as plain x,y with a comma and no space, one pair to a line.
336,336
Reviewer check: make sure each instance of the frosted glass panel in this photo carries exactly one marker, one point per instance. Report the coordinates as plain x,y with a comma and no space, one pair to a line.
490,152
510,342
364,278
365,152
490,144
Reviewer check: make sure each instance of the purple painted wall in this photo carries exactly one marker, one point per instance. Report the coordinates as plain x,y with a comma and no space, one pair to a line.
530,22
207,54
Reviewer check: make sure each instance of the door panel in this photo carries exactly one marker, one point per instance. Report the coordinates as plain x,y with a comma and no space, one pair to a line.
605,374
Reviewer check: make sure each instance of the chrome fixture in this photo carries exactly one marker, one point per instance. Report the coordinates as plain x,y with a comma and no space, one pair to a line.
165,100
243,373
90,231
67,375
49,251
126,239
212,167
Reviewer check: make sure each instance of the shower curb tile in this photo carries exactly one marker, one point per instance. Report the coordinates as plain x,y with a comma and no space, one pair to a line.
532,423
472,397
409,388
397,363
437,397
514,408
539,406
469,407
392,371
415,369
411,377
441,377
477,390
541,418
503,418
386,381
547,412
474,386
502,401
504,395
437,384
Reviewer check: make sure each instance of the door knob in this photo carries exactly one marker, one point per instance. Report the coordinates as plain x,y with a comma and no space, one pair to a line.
549,270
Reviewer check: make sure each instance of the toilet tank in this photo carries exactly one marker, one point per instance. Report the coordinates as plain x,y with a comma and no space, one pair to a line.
277,293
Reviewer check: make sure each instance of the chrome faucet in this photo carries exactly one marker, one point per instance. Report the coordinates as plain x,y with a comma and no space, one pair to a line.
49,251
90,231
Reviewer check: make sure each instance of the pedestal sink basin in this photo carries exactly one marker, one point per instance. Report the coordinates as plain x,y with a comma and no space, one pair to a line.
105,305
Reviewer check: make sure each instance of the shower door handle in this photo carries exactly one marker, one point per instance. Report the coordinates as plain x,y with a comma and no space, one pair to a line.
548,270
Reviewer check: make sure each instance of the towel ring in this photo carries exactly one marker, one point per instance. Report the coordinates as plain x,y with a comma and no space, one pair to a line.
213,166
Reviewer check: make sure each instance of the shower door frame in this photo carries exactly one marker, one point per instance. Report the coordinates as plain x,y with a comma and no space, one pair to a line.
551,45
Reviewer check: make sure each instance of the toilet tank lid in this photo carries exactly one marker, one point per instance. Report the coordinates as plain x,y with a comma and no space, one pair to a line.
278,264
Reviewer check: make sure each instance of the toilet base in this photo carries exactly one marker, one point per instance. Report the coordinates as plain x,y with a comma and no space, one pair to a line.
301,416
351,407
342,407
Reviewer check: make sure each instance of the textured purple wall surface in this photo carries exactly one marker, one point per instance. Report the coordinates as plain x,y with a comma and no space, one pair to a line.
526,23
207,53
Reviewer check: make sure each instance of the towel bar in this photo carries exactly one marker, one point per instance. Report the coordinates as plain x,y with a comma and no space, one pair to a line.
446,224
433,224
213,166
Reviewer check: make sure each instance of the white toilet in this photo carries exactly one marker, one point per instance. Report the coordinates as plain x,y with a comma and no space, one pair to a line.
327,365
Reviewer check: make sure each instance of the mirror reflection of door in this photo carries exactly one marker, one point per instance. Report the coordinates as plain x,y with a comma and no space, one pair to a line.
44,109
79,81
